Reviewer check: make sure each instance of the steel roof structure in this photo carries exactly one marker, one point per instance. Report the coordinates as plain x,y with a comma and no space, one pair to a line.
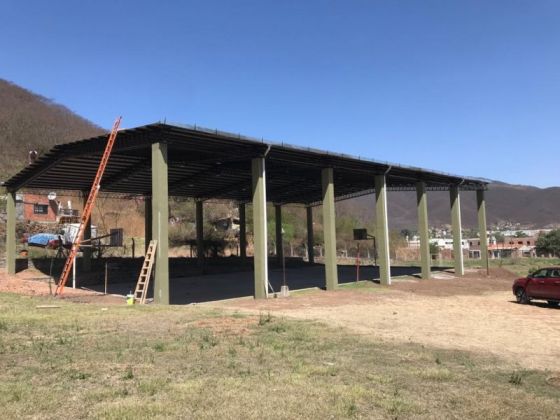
205,163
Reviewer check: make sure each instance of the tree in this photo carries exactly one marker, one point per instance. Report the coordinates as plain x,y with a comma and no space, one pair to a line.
470,233
434,248
345,225
520,234
407,233
499,236
549,243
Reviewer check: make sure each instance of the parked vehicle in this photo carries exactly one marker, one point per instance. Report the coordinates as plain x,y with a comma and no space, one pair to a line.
543,284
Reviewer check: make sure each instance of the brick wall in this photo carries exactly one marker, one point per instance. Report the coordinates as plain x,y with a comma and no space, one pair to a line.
33,204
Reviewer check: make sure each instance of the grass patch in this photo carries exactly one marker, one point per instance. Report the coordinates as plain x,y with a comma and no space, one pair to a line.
518,266
366,286
154,361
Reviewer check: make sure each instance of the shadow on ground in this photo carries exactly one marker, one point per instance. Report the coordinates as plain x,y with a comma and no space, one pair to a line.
220,278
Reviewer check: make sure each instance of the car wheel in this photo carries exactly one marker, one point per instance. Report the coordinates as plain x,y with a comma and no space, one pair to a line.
521,296
553,303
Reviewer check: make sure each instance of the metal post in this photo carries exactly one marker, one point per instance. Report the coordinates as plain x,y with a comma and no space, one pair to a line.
382,236
200,233
242,232
456,227
310,240
481,205
422,203
87,251
147,222
259,228
329,227
160,220
358,264
74,275
279,244
11,232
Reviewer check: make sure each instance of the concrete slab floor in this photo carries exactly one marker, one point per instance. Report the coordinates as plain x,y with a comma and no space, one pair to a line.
210,287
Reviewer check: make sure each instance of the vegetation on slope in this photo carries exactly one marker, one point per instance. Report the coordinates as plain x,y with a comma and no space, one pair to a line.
32,122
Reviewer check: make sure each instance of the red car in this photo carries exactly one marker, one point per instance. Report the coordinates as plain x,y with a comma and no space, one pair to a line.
543,284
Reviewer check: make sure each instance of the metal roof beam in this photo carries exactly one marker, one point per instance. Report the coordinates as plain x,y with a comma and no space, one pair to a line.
126,173
228,188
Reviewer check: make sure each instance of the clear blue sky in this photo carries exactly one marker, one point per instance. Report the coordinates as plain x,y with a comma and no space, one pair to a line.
467,87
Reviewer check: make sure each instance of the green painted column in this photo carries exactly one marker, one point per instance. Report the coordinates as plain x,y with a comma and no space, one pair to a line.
242,232
382,230
455,199
11,232
147,222
160,222
423,230
329,228
259,228
279,239
481,205
200,233
310,239
87,252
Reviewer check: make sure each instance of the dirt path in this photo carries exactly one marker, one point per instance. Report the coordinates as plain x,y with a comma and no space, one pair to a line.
34,283
474,313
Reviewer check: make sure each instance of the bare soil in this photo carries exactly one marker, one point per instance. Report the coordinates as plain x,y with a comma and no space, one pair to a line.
32,282
474,313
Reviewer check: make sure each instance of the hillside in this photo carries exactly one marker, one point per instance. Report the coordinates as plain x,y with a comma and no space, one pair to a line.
531,207
30,121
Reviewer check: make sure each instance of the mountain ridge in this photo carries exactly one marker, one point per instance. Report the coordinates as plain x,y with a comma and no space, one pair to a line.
29,121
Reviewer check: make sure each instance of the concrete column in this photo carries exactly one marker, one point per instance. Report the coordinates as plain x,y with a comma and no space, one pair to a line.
147,222
259,228
422,203
329,228
200,233
382,228
87,251
160,221
310,240
456,227
481,205
242,232
11,232
279,239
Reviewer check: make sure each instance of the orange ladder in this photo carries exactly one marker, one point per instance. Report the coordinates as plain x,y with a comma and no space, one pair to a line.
88,208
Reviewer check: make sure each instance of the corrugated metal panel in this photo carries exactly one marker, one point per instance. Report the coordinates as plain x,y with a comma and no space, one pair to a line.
207,163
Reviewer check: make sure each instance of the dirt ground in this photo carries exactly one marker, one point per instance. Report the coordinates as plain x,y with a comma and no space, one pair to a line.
32,282
475,313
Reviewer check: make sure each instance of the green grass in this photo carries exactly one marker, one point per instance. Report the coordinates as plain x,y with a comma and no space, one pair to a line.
169,362
365,286
518,266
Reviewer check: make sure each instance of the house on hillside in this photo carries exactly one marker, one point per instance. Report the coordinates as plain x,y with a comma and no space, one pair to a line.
442,243
40,208
510,247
